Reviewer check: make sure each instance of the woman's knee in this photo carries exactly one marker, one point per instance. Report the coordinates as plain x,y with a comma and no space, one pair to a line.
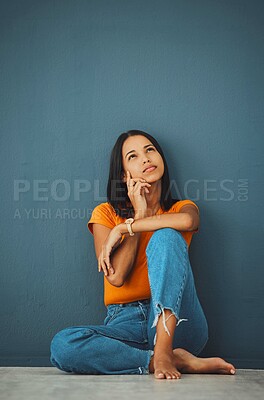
63,348
59,349
165,236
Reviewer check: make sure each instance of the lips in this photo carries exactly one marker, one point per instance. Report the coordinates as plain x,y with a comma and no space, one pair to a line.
150,168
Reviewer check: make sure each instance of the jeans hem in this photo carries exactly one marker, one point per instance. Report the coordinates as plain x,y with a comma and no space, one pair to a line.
145,370
179,320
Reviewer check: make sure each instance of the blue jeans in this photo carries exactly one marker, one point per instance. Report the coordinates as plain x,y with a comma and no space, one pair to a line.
124,343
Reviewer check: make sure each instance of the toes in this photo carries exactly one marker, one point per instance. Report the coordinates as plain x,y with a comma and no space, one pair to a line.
167,375
232,369
227,371
178,375
172,375
224,367
159,374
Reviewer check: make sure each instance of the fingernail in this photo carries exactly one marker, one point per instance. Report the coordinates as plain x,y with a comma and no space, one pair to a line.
233,371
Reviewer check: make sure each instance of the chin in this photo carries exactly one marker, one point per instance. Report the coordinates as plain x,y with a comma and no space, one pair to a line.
154,179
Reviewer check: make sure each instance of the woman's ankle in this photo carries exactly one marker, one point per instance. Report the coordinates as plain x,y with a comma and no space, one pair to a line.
151,365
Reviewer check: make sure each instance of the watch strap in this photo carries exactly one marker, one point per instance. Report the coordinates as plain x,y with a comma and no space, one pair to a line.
129,222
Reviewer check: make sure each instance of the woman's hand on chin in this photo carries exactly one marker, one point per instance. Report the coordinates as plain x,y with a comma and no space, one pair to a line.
136,191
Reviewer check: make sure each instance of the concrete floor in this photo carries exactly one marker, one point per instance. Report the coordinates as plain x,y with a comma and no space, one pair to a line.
49,383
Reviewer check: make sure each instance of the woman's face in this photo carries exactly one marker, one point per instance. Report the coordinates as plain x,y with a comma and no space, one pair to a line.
142,159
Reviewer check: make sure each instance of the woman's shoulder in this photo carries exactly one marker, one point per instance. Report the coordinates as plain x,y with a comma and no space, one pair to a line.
104,205
103,214
104,208
176,207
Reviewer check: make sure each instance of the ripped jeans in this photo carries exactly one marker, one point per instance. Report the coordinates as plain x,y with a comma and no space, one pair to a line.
125,342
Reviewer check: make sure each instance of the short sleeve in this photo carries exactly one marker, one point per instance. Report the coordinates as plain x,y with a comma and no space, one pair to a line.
177,206
102,214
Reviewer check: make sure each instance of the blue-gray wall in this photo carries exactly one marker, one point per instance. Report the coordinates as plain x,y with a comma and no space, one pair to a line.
74,75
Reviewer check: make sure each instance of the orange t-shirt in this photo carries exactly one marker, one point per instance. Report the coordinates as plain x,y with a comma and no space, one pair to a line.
136,286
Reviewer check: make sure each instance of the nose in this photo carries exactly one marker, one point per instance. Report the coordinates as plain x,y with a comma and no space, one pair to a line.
145,160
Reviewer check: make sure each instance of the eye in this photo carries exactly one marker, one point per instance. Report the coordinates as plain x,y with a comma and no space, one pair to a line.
133,155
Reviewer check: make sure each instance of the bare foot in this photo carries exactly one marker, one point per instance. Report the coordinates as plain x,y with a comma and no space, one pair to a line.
163,366
190,364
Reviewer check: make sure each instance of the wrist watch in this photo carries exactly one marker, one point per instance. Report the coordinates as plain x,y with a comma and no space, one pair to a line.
129,222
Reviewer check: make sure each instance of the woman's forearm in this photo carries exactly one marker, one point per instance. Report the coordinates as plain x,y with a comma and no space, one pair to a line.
123,259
